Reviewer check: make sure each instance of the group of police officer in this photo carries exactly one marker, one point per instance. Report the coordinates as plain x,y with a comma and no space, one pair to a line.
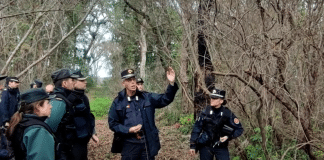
69,125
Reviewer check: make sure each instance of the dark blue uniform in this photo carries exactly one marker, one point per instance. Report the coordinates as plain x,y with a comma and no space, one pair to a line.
210,126
140,109
9,104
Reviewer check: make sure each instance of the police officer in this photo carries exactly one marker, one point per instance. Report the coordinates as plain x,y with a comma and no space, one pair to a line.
131,117
215,127
61,120
36,84
30,136
85,120
140,84
9,100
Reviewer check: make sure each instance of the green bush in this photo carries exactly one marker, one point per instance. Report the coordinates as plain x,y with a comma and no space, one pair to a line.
100,106
186,123
254,151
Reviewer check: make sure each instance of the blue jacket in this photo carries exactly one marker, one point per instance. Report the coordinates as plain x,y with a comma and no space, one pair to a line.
147,102
9,104
211,123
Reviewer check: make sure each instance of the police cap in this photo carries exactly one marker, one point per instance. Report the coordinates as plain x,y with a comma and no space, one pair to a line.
12,79
139,80
217,93
128,73
81,77
34,95
63,74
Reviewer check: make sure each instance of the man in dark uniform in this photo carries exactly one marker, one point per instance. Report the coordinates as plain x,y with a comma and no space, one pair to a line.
36,84
60,120
9,100
140,84
85,120
131,117
214,128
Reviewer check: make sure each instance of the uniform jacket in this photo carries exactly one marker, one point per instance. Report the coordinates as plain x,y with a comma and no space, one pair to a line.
211,122
58,108
9,104
37,141
147,102
59,116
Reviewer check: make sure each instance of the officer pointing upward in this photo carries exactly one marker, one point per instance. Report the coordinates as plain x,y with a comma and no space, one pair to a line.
131,117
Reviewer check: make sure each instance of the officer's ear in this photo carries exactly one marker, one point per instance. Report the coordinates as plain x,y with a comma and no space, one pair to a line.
123,83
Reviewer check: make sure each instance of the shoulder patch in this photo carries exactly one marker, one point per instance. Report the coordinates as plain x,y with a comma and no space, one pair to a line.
236,121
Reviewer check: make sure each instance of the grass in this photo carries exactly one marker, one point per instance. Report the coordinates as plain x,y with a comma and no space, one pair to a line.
100,106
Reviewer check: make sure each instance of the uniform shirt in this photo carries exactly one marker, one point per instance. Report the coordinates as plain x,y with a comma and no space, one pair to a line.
211,121
133,118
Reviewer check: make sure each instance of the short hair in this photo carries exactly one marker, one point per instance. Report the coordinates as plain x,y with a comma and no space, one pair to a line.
59,82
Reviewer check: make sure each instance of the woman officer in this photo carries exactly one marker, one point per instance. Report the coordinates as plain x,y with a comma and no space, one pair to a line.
30,136
215,127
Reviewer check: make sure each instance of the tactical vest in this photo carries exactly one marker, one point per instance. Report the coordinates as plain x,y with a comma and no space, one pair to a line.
18,146
72,127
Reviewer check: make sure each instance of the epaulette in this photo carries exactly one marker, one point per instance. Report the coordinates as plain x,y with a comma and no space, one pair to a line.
59,99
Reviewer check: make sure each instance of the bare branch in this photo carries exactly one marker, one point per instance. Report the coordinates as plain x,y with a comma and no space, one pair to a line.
63,38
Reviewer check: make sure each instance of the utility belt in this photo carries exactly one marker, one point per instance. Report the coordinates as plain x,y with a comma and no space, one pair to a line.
138,135
213,141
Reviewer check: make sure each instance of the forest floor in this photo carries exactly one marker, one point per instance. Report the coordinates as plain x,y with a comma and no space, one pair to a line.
174,145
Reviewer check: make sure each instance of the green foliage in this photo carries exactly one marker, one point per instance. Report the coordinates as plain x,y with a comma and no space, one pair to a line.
186,123
100,106
254,151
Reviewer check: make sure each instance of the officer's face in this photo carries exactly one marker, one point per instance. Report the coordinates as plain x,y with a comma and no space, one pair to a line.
130,84
80,84
13,84
216,102
140,86
44,110
68,84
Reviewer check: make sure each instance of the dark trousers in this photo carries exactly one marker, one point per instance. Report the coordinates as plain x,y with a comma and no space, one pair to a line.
135,151
208,153
79,151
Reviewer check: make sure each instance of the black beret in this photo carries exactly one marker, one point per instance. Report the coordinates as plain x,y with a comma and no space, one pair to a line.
80,75
34,95
139,80
128,73
2,77
62,74
217,93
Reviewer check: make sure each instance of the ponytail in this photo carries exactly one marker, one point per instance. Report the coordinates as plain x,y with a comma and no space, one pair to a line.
17,117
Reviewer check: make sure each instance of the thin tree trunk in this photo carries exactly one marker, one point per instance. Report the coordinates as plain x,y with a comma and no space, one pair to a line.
143,45
3,71
57,44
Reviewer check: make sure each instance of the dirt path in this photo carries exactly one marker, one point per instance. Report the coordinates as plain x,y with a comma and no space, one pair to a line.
173,144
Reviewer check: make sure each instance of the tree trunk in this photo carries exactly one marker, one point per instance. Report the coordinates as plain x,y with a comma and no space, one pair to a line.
201,100
143,45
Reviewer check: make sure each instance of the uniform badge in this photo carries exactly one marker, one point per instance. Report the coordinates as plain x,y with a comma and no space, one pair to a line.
236,121
211,112
130,71
214,91
128,106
